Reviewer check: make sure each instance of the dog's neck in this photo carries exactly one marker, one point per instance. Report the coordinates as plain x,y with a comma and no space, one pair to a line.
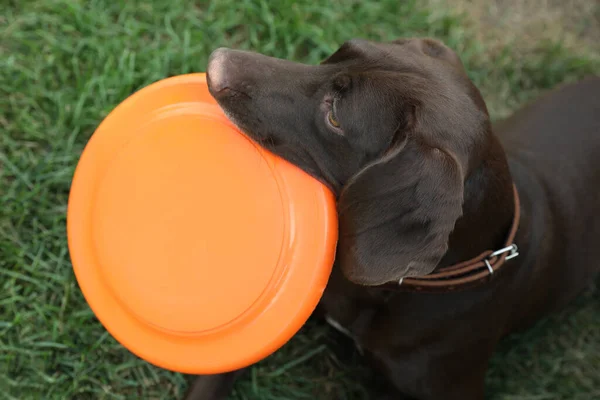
488,208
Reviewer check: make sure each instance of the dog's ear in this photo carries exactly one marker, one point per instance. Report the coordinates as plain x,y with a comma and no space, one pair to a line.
396,215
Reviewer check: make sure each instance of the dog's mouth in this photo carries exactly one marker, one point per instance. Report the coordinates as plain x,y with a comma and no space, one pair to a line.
267,141
302,159
226,92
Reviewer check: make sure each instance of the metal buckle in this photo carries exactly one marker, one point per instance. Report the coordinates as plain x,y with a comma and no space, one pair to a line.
512,249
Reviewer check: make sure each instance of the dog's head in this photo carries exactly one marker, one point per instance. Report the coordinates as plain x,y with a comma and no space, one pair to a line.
392,128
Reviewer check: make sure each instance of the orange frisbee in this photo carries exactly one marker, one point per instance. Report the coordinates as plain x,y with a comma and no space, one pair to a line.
198,250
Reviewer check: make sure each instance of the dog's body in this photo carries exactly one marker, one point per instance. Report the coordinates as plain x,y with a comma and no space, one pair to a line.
429,187
436,346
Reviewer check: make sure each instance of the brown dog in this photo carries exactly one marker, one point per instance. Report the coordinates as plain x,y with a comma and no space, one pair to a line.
404,139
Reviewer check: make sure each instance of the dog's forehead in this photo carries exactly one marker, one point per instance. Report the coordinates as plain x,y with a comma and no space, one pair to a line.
364,53
354,49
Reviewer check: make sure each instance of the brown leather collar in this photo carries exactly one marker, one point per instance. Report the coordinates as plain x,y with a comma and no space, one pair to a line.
468,273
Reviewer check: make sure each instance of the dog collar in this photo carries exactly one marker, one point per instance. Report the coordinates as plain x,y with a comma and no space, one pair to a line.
468,273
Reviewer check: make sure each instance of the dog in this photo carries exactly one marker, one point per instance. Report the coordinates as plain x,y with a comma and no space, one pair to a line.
452,233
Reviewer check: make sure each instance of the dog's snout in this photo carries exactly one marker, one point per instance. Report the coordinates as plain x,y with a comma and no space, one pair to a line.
216,71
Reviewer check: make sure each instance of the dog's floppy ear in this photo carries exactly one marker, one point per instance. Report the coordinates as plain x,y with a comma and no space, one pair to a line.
396,215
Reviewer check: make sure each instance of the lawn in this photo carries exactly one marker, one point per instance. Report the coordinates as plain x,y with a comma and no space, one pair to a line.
64,64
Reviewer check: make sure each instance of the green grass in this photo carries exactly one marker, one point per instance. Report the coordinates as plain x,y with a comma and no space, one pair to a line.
65,64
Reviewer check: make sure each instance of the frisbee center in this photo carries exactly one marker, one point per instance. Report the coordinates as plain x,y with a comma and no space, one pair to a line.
188,224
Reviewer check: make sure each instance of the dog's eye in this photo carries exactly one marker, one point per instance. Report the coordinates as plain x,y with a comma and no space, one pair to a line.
333,119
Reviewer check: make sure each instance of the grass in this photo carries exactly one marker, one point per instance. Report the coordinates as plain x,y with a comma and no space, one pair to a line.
66,63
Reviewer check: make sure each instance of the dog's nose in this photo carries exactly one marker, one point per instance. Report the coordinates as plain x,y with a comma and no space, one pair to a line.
217,64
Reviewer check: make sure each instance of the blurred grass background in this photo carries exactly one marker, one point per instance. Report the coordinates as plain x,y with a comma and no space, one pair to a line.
64,64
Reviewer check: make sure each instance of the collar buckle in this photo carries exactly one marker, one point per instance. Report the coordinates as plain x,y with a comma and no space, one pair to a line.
513,251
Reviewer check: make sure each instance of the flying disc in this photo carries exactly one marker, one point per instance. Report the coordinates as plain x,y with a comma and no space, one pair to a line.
197,249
